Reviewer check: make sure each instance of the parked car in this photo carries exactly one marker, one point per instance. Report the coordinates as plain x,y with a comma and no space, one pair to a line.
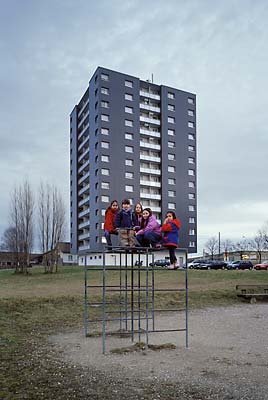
262,266
160,263
240,264
213,264
195,263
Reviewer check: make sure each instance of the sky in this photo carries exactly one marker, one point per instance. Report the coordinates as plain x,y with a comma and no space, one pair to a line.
218,50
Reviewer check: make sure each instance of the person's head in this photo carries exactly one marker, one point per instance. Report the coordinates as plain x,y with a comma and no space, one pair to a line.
170,215
114,206
138,208
147,212
125,204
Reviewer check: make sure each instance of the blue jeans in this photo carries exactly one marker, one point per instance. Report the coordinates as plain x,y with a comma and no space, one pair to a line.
149,238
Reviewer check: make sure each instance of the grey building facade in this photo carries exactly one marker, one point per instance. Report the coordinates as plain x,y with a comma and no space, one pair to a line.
131,139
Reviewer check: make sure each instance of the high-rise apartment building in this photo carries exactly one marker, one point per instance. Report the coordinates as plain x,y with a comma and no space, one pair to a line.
131,139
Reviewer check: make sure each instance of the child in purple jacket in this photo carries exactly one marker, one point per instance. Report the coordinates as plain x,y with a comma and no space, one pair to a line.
150,232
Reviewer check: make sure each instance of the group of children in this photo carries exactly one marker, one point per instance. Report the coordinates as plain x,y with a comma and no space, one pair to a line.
140,228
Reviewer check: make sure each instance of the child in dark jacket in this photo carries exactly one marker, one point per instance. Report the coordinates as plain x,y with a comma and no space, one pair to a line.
124,224
170,228
109,228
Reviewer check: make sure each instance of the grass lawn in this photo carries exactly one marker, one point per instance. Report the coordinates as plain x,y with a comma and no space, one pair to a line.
35,306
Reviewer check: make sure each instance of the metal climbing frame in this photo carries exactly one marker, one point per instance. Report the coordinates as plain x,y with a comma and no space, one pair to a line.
123,299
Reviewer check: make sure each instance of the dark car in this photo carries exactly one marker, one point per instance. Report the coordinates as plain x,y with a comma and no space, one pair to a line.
240,264
262,266
213,264
160,263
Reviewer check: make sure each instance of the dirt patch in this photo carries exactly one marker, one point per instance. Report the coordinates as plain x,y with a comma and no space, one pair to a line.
227,357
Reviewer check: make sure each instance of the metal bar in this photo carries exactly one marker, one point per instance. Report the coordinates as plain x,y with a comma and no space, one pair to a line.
86,302
126,292
147,295
186,303
104,304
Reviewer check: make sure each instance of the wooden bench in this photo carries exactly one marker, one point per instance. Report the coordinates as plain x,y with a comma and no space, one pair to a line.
252,292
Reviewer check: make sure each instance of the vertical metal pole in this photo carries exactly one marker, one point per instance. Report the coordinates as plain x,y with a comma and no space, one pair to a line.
86,300
126,293
147,298
120,291
132,298
139,298
152,296
186,302
103,303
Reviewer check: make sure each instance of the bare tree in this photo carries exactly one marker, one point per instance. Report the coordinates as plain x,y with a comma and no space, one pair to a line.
51,221
21,222
211,246
227,246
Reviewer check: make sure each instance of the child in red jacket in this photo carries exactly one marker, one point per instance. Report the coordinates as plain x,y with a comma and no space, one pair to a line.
170,228
110,215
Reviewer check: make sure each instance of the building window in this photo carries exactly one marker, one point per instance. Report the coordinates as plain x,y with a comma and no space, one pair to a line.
104,90
171,157
96,119
96,172
105,104
191,172
96,92
105,199
171,206
191,184
128,122
105,171
190,100
129,84
105,145
96,159
191,244
103,212
129,149
171,181
191,148
105,158
191,113
129,136
191,232
191,196
171,145
105,131
129,175
190,124
190,136
171,168
191,220
171,193
129,188
171,107
171,95
129,162
105,185
129,110
191,208
128,97
171,132
96,199
105,117
171,120
190,160
104,77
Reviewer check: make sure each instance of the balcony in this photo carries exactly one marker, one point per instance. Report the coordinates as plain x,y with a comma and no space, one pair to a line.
84,224
150,145
148,120
83,201
144,93
83,213
83,154
150,171
84,236
84,247
150,158
83,166
150,183
84,189
83,131
156,209
150,196
83,108
83,143
80,123
149,133
83,178
148,107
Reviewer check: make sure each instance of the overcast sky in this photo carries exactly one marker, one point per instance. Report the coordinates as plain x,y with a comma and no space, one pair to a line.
217,49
